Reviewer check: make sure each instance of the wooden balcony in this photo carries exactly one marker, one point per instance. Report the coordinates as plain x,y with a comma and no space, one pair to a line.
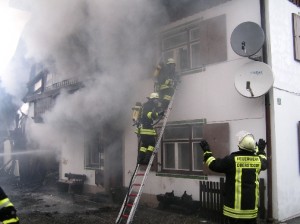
70,85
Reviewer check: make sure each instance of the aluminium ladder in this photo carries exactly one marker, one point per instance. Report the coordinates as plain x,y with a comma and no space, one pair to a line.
138,179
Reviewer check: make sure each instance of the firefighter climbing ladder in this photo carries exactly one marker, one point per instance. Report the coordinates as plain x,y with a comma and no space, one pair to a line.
139,177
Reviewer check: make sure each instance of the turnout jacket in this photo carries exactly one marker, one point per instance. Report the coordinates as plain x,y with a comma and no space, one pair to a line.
149,114
242,168
7,210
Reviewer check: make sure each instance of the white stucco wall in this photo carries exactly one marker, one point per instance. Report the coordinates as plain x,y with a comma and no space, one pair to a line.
285,149
209,94
72,159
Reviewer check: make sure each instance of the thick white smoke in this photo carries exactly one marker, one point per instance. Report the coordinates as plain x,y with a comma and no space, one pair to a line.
109,42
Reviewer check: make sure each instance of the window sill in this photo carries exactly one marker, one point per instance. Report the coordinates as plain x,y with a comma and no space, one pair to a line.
193,71
185,176
92,168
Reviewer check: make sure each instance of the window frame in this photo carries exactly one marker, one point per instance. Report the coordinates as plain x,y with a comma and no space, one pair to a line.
296,36
206,27
191,140
89,162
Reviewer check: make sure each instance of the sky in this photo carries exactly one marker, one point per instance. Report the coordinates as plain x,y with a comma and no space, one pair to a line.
12,22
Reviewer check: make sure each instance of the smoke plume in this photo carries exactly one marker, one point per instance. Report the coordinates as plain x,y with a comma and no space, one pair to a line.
110,44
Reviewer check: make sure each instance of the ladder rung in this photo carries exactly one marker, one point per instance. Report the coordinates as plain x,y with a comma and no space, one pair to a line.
132,203
132,195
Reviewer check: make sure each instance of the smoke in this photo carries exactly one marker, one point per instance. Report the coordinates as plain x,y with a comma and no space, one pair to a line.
7,111
111,44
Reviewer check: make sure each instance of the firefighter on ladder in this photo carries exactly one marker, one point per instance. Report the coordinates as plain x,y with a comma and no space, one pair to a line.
166,81
8,213
242,169
145,130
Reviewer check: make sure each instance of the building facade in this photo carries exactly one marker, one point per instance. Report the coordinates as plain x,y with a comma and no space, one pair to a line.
206,105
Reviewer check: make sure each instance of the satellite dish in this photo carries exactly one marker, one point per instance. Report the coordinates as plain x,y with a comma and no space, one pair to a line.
254,79
247,39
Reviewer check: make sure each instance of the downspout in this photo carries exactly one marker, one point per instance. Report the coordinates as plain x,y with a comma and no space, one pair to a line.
268,123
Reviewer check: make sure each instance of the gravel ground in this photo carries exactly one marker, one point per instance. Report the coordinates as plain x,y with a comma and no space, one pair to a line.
43,204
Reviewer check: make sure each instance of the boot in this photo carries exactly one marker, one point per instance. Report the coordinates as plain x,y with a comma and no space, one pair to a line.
147,157
141,157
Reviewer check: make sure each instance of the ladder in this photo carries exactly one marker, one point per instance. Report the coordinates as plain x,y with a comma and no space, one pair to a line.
139,177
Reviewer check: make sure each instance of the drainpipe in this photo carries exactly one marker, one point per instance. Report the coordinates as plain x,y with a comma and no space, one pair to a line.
268,124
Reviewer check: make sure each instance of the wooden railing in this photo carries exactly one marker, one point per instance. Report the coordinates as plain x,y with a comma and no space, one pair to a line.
63,83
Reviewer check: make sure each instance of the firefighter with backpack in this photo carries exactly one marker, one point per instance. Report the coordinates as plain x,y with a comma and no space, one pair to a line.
144,117
166,80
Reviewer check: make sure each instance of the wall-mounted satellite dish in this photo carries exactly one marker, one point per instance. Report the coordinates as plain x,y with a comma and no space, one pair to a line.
247,39
254,79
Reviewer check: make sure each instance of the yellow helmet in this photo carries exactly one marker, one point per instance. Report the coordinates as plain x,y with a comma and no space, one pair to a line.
154,96
246,141
170,61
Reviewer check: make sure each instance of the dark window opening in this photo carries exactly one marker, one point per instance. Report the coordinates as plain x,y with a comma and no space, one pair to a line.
296,35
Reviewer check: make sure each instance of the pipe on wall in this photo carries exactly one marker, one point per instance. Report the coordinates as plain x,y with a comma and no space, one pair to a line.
270,218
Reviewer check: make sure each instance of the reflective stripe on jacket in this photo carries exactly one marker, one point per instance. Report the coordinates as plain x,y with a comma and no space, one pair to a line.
167,84
241,194
144,131
7,210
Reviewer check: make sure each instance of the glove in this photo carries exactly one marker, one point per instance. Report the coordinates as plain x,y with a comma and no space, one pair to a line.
204,145
161,113
261,145
206,150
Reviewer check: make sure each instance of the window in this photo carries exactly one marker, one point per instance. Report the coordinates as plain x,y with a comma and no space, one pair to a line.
94,156
42,105
180,149
196,44
296,35
38,86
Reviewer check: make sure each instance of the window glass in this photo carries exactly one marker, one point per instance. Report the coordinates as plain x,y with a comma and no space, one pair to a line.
176,132
196,55
180,147
168,54
169,156
42,105
175,41
183,156
38,85
92,152
49,79
202,43
197,131
183,59
195,34
197,157
296,34
180,55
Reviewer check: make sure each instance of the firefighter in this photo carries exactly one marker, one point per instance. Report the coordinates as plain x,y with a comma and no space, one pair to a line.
145,131
8,213
166,81
242,169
